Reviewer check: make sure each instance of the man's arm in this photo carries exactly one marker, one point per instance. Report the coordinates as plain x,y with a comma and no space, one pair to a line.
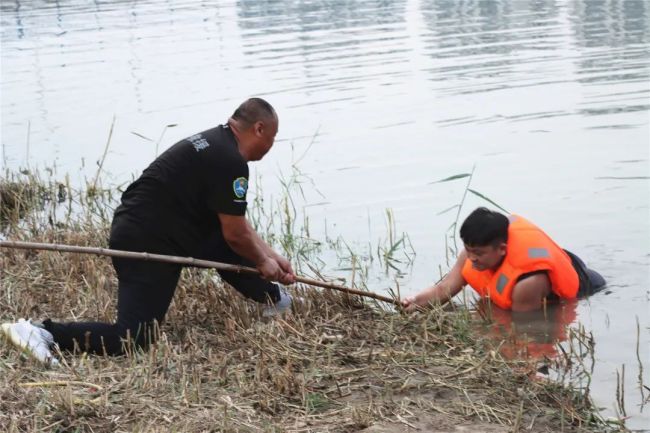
529,293
245,241
442,292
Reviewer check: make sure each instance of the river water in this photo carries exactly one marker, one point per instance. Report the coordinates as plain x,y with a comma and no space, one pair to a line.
547,101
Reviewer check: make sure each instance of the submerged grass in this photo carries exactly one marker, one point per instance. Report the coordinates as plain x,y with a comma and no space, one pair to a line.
337,363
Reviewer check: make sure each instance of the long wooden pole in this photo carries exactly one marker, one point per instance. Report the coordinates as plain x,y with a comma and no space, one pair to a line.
189,261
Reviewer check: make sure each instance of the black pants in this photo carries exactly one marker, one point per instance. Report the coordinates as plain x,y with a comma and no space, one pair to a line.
590,280
145,291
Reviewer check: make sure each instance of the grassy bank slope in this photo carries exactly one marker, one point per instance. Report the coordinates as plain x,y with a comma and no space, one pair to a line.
336,363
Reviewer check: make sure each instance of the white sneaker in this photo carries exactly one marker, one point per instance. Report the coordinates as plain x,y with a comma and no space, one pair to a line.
283,305
31,339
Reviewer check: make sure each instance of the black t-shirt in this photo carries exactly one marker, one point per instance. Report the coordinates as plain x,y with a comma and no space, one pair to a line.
173,206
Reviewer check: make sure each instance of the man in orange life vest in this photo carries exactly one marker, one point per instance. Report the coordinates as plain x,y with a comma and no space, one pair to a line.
513,263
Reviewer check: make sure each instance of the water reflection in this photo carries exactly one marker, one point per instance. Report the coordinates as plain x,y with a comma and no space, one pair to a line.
533,335
333,45
614,35
486,40
610,23
481,27
278,16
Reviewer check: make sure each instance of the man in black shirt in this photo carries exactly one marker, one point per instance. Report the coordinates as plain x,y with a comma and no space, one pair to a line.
191,201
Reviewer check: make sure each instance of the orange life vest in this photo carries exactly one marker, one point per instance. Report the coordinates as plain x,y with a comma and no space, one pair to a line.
529,249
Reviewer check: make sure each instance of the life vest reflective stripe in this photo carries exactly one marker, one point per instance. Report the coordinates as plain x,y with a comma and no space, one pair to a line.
529,249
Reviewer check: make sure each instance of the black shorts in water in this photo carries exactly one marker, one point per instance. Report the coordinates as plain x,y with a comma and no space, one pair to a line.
590,281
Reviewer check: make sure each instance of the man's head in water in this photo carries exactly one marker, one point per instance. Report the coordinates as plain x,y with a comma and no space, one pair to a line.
485,235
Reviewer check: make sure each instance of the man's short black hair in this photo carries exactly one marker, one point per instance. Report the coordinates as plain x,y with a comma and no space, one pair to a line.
252,110
484,227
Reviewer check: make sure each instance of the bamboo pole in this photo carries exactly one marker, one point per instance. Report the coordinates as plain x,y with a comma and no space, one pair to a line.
189,261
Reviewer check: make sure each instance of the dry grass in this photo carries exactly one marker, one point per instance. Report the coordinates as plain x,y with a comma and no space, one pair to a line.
17,199
335,364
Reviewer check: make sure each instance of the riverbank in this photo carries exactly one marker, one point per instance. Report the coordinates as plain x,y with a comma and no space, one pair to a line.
336,363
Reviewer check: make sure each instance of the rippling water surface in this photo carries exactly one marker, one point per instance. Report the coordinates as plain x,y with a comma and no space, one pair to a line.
549,100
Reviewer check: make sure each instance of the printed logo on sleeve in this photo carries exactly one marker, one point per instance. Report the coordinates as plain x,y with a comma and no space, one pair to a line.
240,185
198,142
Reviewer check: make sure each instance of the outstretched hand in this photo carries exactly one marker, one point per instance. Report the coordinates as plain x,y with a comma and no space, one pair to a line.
410,304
